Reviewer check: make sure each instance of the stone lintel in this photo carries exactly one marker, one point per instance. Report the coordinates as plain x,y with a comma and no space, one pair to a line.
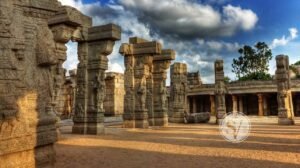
152,48
105,32
166,55
69,16
136,40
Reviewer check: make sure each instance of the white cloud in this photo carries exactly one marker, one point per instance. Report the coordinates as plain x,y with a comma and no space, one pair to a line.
72,56
115,67
236,17
190,19
285,40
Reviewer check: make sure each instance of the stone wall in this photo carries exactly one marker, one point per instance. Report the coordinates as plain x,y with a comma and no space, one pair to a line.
114,100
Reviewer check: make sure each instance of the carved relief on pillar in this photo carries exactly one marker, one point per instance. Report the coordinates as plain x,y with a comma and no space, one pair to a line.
138,80
178,91
284,96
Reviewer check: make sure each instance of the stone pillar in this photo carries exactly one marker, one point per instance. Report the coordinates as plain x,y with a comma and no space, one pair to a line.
89,113
138,81
241,107
260,105
178,91
234,103
161,64
212,105
220,91
284,95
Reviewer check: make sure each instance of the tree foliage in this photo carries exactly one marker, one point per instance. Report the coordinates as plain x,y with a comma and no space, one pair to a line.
253,63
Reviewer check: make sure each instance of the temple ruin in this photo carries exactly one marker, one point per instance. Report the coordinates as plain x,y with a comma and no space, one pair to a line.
145,75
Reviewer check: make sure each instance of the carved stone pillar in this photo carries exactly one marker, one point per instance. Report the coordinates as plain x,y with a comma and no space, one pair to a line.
220,91
234,104
89,113
284,95
161,64
241,107
138,81
212,105
260,105
178,91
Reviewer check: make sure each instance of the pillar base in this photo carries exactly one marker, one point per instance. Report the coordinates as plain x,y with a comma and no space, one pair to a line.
162,122
141,124
95,129
151,122
78,128
286,121
129,124
88,128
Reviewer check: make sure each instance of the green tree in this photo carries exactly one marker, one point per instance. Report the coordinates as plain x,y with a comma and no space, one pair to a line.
253,63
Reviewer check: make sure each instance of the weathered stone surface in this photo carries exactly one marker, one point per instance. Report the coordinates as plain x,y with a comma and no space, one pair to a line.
114,99
220,90
145,83
33,35
284,95
178,92
92,53
161,63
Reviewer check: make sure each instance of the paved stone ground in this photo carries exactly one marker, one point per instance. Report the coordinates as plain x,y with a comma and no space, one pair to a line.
182,146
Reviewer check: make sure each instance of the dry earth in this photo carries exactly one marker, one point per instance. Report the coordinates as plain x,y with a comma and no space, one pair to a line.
182,146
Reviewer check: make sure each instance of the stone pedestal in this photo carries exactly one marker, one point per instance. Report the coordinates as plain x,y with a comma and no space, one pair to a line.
178,92
284,96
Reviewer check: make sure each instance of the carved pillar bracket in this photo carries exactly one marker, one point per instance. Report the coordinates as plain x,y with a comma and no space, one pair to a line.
284,96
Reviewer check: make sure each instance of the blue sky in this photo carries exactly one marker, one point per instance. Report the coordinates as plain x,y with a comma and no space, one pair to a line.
200,31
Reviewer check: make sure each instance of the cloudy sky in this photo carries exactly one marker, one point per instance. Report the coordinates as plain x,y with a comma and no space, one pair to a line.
200,31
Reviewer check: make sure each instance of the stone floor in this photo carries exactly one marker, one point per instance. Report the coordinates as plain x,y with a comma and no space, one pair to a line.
182,146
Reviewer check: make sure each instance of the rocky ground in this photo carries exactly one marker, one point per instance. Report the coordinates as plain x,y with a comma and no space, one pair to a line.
179,145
